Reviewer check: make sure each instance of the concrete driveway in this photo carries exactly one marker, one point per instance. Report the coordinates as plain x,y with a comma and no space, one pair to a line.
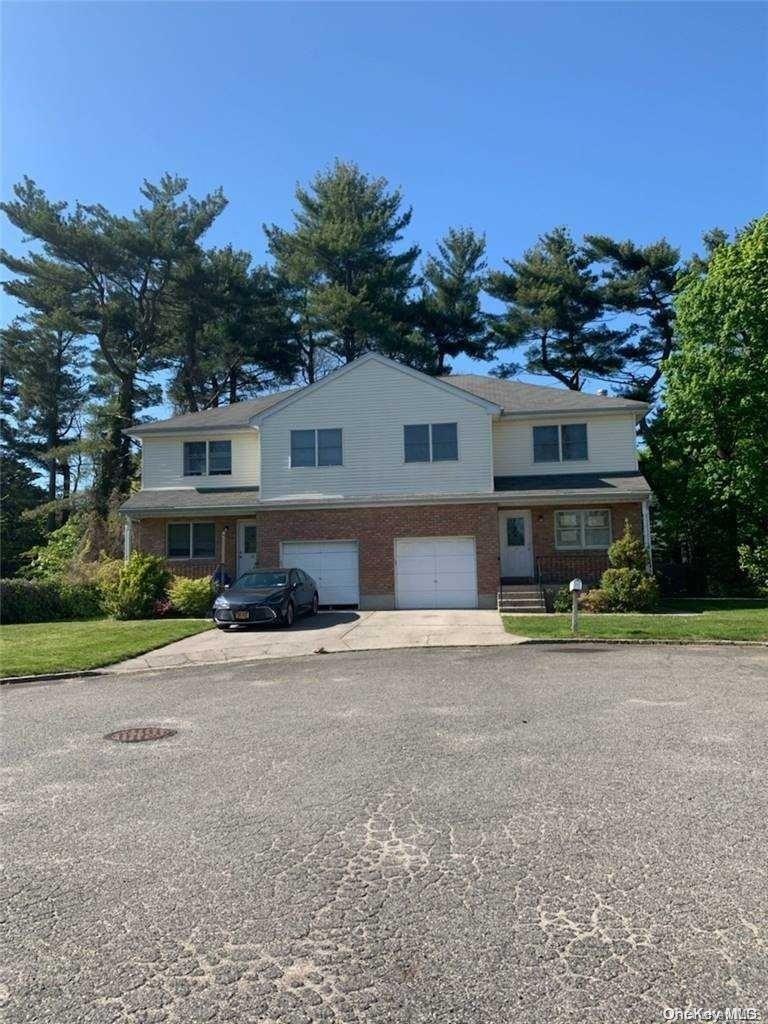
522,835
334,632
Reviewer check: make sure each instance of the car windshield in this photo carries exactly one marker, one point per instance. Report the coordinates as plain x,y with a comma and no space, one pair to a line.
262,579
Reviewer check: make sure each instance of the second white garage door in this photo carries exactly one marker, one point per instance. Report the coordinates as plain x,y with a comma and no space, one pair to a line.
436,572
333,564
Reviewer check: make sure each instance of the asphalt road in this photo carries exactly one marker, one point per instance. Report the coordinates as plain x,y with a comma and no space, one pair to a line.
526,835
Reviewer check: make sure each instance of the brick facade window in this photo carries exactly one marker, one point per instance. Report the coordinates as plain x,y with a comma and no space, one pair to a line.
582,529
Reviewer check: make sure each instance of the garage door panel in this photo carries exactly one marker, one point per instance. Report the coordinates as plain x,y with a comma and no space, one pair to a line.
332,564
436,572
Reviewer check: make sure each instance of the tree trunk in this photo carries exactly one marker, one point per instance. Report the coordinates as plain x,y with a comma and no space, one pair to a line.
66,487
115,470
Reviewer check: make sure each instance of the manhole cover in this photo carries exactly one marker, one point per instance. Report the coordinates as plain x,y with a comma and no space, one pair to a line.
149,732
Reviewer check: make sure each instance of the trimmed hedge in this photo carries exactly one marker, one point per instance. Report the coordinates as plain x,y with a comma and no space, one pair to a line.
38,601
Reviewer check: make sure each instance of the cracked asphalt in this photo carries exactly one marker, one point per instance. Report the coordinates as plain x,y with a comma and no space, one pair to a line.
527,834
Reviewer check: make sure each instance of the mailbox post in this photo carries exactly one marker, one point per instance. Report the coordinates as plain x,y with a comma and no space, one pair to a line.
575,587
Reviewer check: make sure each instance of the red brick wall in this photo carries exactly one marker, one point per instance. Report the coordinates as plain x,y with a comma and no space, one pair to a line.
560,566
375,530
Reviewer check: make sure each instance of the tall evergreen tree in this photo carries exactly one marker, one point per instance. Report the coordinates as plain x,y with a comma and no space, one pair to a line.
228,335
450,319
342,251
639,283
48,360
119,269
556,307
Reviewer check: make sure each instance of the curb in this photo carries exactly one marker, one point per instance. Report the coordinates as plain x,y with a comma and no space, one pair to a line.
112,673
50,676
644,642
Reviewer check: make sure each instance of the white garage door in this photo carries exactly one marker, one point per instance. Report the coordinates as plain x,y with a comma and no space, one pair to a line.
332,564
436,572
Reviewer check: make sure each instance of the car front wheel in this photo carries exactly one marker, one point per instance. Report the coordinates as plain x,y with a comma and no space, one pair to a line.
288,615
315,602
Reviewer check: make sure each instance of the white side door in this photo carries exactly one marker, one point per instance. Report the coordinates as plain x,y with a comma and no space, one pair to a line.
516,543
247,546
435,572
333,565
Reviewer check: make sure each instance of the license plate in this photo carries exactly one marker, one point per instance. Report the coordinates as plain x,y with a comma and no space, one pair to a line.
242,615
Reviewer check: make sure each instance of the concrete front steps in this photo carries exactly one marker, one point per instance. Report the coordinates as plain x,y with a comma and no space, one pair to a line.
522,599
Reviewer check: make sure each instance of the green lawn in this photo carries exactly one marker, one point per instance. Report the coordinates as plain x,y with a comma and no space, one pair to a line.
678,620
64,646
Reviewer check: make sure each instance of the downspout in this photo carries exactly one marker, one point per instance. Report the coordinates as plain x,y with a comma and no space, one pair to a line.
127,530
647,532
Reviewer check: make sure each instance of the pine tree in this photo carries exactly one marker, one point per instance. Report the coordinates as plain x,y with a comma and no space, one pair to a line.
118,270
556,307
450,319
639,282
342,251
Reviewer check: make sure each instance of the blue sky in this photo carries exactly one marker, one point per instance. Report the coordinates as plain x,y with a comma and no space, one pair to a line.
637,120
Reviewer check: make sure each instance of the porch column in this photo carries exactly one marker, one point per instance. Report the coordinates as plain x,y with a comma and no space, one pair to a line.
647,532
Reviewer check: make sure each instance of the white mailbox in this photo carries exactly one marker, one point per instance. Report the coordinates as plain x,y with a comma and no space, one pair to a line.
576,585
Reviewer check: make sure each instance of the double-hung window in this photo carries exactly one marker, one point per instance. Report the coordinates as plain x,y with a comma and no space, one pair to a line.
431,442
321,447
582,528
191,540
566,443
207,458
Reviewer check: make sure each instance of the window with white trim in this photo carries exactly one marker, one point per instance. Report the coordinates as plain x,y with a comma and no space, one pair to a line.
431,442
191,540
207,458
321,447
583,528
564,443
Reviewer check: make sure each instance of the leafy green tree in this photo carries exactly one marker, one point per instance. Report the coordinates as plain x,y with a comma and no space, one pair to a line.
117,270
450,319
341,252
708,456
556,307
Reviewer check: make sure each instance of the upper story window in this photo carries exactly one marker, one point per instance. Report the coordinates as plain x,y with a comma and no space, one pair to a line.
316,447
583,528
207,458
566,443
431,442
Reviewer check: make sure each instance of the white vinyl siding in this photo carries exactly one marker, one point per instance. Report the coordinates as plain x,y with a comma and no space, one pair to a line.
610,446
372,404
163,462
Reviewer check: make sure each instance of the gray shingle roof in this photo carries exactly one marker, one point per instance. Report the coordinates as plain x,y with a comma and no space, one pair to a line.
222,417
189,499
556,482
512,395
516,397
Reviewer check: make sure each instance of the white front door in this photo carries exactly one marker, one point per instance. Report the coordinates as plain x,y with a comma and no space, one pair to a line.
435,572
516,543
332,564
247,546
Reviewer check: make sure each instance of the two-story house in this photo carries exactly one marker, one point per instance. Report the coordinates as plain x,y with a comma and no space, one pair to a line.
392,488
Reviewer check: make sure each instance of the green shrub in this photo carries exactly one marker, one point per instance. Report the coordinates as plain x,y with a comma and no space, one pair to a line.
108,575
628,551
48,601
131,591
562,600
628,590
53,560
596,600
754,562
192,597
